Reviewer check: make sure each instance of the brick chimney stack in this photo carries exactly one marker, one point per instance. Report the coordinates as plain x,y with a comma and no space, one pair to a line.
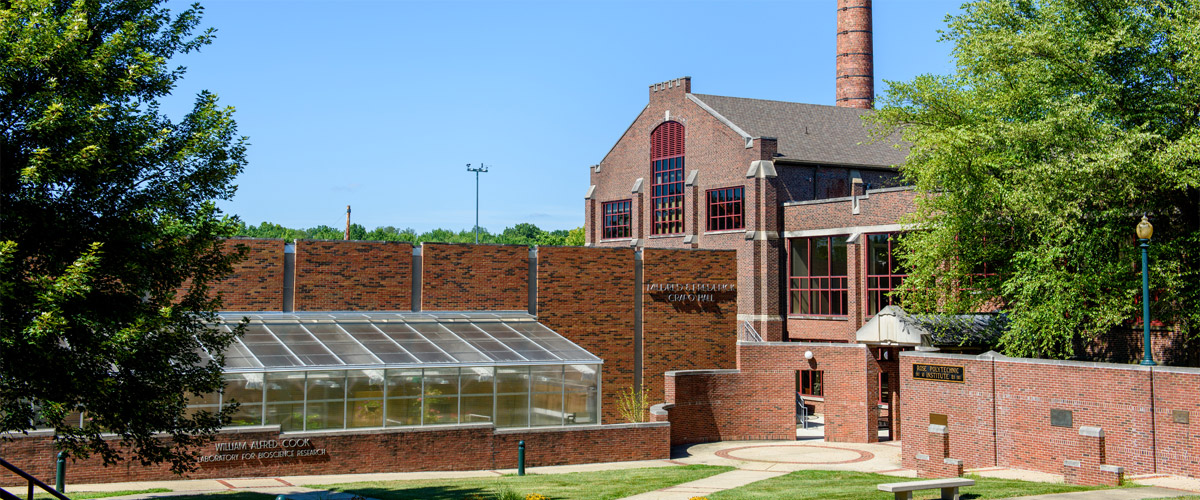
855,61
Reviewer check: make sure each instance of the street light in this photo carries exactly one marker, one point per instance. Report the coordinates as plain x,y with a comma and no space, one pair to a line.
1144,231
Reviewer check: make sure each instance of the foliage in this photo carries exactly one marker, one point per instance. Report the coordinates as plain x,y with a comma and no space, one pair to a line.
520,234
1064,123
505,491
591,485
106,212
632,404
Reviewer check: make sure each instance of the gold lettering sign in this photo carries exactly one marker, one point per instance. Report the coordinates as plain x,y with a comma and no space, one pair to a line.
940,373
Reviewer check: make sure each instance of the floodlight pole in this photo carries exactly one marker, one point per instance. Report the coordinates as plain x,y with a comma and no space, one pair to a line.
477,170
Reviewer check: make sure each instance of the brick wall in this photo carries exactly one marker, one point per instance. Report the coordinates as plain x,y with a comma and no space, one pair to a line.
353,276
256,283
461,277
439,448
687,334
587,295
1001,414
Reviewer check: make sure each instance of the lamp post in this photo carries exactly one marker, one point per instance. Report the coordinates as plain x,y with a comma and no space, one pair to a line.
477,170
1144,231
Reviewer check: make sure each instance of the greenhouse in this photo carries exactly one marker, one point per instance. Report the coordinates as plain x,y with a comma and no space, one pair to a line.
321,371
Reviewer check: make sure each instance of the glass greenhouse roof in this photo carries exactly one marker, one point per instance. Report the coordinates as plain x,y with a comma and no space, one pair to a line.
303,341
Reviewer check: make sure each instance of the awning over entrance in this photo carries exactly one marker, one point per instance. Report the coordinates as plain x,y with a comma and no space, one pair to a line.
893,326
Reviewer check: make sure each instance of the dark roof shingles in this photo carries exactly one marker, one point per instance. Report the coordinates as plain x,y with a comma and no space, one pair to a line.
809,132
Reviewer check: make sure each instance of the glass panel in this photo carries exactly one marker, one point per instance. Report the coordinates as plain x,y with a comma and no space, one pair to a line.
478,380
481,341
551,341
424,351
547,408
877,249
580,407
800,257
512,396
452,344
476,409
839,257
364,395
441,396
404,397
326,400
247,390
237,356
547,378
820,256
285,400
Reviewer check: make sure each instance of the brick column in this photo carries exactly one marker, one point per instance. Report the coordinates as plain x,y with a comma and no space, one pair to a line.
1092,468
936,461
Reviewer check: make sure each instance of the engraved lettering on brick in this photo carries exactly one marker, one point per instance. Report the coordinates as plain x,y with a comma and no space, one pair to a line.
939,373
263,449
1061,418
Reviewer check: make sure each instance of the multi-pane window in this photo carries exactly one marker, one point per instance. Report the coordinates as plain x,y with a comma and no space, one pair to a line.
616,219
883,271
725,209
811,383
817,280
666,179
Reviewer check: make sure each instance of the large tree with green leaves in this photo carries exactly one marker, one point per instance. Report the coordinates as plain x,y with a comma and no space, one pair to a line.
106,212
1065,122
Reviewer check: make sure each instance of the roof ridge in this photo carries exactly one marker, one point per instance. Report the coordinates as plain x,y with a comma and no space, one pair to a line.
783,102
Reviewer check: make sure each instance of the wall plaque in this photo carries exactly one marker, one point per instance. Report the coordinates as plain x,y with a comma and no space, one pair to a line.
1180,416
1061,418
938,419
940,373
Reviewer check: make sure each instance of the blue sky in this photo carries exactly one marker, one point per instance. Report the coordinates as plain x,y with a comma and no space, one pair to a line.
380,105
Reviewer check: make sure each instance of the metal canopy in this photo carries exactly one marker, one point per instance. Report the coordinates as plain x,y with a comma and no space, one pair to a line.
338,340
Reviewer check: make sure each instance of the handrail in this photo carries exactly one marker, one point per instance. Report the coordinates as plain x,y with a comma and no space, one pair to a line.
32,482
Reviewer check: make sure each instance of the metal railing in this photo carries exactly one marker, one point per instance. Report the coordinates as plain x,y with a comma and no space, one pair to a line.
748,333
33,481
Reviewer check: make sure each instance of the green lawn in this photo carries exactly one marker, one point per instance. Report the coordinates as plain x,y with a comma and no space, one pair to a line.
598,485
236,495
839,485
84,495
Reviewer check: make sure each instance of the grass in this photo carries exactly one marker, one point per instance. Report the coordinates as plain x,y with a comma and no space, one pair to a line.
597,485
235,495
845,485
84,495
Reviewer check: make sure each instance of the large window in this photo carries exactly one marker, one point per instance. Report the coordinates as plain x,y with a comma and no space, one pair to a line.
725,209
883,271
616,219
811,383
666,186
817,281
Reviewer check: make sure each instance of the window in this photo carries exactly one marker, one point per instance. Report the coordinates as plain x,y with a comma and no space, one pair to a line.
883,271
817,280
725,209
812,383
666,179
616,219
883,388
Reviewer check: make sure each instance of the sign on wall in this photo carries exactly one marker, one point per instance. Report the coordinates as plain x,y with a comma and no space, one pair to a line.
263,450
939,373
692,292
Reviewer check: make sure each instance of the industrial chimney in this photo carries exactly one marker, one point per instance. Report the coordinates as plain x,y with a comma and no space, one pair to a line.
855,61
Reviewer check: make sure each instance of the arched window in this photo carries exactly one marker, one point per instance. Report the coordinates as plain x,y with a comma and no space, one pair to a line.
666,186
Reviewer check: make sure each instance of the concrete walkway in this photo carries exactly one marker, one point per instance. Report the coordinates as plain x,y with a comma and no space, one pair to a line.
708,485
1117,494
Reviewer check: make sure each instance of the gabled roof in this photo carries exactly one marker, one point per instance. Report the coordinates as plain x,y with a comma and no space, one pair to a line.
806,132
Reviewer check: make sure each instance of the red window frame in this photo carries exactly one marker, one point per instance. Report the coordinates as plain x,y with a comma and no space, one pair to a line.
666,178
818,294
812,383
725,208
881,284
616,219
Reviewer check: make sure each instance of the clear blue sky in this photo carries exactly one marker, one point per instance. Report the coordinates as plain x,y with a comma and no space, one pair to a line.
381,105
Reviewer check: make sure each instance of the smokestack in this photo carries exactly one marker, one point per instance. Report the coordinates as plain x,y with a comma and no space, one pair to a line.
855,59
347,237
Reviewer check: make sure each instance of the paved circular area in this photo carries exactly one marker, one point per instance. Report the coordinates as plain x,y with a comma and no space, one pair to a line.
808,454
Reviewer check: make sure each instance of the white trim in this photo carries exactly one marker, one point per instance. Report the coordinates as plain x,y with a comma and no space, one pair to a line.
749,139
759,317
834,231
590,192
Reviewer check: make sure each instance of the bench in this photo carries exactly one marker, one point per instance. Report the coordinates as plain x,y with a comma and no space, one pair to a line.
949,487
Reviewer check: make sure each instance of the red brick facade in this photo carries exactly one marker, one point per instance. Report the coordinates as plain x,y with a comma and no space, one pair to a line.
256,283
460,447
1001,415
474,277
353,276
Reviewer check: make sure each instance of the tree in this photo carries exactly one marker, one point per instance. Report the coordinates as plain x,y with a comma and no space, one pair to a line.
1065,122
106,212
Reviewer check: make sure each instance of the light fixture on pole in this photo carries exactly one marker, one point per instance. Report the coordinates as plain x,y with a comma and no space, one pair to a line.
477,170
1144,231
